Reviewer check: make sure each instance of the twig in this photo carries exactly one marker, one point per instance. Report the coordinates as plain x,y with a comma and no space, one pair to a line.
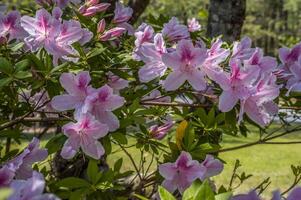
132,160
156,103
261,141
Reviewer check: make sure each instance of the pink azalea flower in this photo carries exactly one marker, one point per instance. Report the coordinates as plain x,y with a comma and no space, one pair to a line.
236,86
145,33
10,26
193,25
266,64
6,176
116,82
41,29
252,195
186,63
91,8
151,54
22,164
242,49
112,33
295,194
294,80
84,134
57,38
181,174
31,188
61,45
77,88
217,54
260,106
101,103
289,56
174,31
211,167
160,131
122,13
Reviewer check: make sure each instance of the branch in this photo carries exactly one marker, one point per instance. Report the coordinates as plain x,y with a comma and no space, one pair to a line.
21,118
263,141
156,103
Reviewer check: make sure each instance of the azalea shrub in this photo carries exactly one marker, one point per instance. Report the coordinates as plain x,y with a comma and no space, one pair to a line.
80,83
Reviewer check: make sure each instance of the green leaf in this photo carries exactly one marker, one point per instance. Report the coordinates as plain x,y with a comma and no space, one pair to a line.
118,165
92,171
5,81
165,195
140,197
55,143
5,193
22,65
205,192
22,75
192,190
73,183
223,196
120,138
106,143
5,66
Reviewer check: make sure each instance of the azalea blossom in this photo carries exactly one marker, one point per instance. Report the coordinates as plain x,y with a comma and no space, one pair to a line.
266,64
77,88
101,103
211,167
32,189
260,106
193,25
10,26
6,176
242,49
22,164
151,54
288,57
116,82
174,31
216,54
238,85
84,134
47,31
144,33
121,13
181,174
294,80
91,8
186,64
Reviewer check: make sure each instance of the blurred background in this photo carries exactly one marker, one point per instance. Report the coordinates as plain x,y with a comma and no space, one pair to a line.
270,23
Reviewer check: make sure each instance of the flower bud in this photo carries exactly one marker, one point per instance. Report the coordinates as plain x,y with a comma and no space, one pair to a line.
101,26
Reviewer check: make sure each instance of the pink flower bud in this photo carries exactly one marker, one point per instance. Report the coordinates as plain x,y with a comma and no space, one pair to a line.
88,10
101,26
114,32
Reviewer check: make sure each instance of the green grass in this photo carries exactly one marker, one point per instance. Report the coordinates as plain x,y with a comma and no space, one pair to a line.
262,161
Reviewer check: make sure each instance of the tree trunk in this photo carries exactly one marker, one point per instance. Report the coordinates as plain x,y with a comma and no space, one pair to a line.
138,6
226,17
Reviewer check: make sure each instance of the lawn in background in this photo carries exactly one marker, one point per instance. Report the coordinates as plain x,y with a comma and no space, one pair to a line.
262,161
